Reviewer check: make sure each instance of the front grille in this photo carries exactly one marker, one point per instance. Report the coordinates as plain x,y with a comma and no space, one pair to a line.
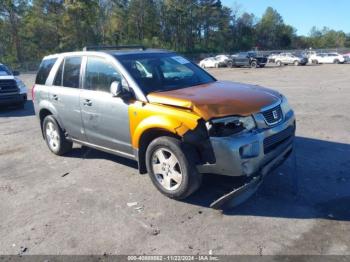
8,86
271,142
273,116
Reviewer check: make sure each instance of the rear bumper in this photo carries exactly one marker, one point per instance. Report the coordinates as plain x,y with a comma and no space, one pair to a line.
252,153
13,99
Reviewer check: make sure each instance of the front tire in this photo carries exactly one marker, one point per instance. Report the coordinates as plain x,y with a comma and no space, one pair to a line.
54,137
336,61
172,168
296,63
279,63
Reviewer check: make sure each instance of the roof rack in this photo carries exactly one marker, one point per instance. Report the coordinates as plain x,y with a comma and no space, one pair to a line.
117,47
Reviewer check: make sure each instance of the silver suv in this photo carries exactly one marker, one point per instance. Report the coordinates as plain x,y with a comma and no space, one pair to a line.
158,108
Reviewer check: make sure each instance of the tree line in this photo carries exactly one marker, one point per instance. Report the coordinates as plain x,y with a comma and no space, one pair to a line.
30,29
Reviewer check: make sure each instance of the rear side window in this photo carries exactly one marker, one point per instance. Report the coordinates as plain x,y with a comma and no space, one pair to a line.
44,70
71,71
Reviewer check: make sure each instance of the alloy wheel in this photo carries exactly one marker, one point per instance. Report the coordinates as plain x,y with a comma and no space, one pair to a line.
52,136
166,168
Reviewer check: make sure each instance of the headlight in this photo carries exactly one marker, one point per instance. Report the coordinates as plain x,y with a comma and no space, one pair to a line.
22,87
248,122
285,105
230,125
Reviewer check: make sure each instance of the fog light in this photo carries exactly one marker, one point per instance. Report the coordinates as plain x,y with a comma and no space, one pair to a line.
250,150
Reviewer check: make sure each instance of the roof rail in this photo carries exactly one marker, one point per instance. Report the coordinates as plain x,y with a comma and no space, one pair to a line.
117,47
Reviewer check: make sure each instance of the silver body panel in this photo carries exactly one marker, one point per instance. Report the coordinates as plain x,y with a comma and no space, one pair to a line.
102,123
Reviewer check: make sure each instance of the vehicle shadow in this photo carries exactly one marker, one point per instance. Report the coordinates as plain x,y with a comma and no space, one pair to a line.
13,111
84,152
322,175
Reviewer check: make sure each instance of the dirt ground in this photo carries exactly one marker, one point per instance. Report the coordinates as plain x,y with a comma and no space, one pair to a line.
77,204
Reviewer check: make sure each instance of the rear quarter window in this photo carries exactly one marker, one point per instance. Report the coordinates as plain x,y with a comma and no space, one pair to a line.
44,70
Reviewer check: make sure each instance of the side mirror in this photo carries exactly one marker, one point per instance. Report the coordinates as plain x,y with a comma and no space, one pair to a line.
15,73
116,88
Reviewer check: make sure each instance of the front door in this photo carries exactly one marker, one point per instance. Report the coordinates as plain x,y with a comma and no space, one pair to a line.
105,118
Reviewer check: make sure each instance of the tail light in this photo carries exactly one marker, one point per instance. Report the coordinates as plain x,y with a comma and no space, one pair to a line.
33,94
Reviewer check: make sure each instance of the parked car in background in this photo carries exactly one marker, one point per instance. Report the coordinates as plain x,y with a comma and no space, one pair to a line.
12,90
223,59
327,58
250,59
210,62
289,59
347,58
177,121
309,54
271,57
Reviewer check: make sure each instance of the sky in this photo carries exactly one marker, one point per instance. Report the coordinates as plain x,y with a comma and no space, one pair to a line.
301,14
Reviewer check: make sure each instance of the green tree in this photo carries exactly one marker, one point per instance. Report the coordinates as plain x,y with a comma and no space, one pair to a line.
272,33
80,24
11,12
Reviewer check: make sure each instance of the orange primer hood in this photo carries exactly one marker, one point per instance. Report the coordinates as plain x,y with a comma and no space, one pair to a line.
218,99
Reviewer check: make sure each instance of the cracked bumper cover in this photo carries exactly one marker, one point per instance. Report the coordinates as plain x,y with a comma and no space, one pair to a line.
246,155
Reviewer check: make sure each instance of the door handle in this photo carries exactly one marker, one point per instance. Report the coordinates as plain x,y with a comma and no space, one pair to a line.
87,102
55,97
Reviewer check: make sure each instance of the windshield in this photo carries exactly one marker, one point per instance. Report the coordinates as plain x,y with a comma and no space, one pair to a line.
4,71
156,72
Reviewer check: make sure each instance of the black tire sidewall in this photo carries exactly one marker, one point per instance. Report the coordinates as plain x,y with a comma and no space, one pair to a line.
64,144
50,119
190,176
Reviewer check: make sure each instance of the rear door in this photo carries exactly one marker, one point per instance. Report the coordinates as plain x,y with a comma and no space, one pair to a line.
64,95
105,118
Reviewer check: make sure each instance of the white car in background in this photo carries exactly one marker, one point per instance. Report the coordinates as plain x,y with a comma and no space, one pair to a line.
210,62
222,58
327,58
347,57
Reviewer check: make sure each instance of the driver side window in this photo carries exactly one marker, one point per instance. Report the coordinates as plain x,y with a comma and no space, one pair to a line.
99,74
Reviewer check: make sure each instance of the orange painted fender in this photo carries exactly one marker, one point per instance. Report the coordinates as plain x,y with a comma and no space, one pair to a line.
145,116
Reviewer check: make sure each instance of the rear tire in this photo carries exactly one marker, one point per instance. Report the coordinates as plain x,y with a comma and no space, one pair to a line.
296,63
278,63
336,61
171,167
54,137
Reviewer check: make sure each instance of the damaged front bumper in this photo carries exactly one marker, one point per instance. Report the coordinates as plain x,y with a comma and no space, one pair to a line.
253,153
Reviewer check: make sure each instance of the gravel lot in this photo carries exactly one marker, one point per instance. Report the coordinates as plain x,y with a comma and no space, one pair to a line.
77,204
